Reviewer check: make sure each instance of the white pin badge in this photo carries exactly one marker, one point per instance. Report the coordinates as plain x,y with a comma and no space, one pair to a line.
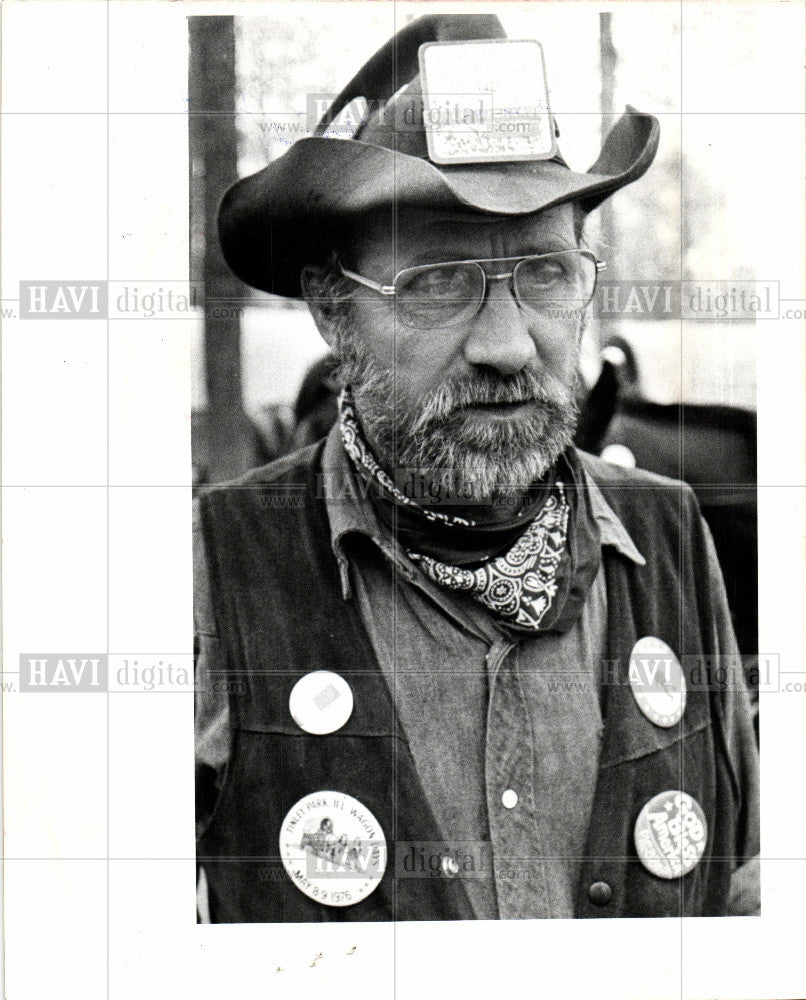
332,848
670,834
321,702
657,681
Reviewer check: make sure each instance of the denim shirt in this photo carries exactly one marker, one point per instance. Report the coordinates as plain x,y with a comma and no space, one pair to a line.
515,807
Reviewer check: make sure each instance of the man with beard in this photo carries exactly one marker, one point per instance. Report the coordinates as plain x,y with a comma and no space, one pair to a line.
488,658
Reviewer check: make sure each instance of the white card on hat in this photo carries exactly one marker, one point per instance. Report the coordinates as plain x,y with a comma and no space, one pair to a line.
485,101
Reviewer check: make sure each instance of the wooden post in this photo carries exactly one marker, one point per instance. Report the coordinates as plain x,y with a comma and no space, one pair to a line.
607,219
607,68
213,150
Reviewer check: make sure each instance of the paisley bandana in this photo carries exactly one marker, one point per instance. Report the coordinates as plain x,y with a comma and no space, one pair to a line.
520,586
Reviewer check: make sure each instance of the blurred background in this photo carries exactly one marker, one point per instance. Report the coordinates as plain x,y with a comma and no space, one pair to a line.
676,396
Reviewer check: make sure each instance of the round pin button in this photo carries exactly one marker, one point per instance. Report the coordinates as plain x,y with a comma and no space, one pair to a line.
657,681
509,799
321,702
332,848
670,834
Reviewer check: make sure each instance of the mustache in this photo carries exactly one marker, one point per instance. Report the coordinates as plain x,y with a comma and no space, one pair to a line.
489,388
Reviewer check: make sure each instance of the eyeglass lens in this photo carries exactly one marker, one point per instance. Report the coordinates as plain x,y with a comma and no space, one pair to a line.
448,294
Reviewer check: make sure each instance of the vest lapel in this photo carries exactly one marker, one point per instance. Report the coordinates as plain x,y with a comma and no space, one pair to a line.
638,759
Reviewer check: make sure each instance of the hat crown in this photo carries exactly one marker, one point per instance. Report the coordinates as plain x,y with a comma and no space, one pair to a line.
390,80
391,84
399,123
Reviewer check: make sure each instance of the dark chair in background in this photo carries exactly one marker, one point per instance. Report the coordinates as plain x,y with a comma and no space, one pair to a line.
713,448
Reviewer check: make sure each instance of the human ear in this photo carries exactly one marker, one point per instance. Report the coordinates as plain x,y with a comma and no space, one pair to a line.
319,299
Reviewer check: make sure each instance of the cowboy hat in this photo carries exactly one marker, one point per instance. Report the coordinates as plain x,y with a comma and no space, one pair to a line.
274,222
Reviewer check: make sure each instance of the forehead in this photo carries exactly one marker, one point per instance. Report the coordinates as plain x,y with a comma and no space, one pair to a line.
416,235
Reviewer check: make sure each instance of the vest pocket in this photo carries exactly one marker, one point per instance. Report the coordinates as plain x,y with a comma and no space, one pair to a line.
688,764
630,735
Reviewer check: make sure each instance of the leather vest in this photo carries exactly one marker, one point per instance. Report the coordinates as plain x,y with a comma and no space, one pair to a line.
280,614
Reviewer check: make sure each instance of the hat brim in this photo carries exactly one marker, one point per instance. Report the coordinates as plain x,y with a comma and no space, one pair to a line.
276,221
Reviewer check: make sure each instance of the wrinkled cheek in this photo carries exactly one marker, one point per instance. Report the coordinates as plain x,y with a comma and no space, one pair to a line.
562,357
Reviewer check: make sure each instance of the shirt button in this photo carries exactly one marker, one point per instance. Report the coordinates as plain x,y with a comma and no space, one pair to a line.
509,799
600,893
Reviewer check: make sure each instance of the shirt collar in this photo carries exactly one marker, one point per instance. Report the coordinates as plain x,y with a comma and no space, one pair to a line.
611,528
349,511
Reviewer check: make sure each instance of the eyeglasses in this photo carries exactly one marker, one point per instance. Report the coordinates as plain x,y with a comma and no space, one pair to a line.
556,284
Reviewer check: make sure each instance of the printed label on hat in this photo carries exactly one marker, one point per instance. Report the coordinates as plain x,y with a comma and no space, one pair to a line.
670,834
657,681
332,848
321,702
486,101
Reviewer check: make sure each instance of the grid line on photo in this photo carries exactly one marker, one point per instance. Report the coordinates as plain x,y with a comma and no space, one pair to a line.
108,508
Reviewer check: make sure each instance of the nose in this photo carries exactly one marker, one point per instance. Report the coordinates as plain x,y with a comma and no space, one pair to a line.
499,335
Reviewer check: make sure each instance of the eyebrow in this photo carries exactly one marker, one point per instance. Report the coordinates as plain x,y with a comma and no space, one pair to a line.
550,243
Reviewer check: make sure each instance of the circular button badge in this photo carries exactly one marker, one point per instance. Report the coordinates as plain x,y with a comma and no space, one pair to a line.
670,834
657,681
333,849
321,702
